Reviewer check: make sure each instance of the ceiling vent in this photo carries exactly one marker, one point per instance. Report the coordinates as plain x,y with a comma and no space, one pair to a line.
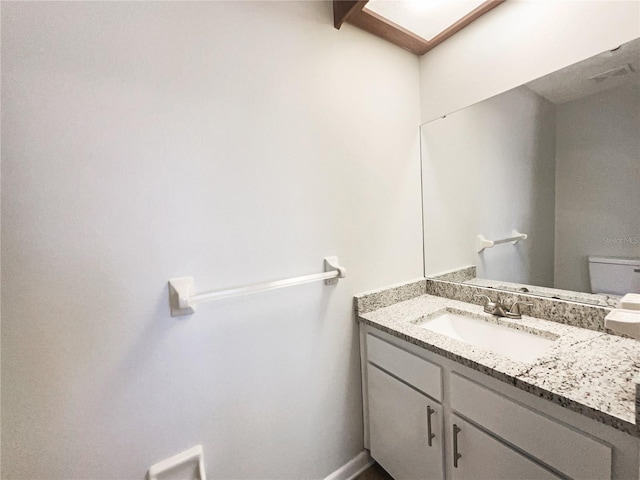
614,72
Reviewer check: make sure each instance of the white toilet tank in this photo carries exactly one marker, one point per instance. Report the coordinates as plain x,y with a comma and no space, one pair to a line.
614,275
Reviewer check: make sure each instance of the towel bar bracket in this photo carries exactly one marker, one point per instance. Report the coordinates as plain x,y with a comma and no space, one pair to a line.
180,289
331,264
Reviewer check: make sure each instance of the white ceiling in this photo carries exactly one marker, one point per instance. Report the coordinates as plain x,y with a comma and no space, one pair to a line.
573,82
425,18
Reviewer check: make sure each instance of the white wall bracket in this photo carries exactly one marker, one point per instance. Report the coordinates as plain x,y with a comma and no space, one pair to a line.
182,300
180,289
331,264
192,455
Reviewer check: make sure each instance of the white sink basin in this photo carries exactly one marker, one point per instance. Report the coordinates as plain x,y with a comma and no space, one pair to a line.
515,344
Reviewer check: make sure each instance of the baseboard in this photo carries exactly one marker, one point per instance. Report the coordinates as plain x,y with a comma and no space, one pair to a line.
353,467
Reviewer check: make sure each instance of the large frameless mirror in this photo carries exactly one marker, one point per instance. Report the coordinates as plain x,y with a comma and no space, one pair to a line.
538,189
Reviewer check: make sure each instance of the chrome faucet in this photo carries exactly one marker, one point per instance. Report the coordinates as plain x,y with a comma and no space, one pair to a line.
493,308
499,310
514,311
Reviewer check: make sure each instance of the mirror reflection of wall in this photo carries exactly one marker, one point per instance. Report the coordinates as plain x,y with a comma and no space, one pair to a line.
557,159
597,182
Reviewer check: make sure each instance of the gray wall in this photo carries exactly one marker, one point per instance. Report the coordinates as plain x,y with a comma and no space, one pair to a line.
597,182
489,169
235,142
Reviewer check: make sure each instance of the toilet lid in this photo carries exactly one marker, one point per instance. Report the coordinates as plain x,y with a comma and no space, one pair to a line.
616,260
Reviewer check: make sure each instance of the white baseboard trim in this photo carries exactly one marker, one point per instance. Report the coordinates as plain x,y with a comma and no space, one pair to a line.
353,467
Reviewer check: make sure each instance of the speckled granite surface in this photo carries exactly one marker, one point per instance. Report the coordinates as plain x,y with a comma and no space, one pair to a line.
638,404
587,371
383,297
463,274
569,313
468,275
602,300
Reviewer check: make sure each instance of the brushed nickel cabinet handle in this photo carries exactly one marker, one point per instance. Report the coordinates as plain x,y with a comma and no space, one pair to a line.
430,436
456,455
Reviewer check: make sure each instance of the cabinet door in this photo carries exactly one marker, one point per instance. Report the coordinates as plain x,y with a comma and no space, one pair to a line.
401,422
482,457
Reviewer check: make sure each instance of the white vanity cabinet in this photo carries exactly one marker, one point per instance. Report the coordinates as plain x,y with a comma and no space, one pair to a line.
405,415
422,410
406,428
480,456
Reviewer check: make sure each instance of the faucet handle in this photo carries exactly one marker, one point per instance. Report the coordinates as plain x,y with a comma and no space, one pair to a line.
489,306
514,311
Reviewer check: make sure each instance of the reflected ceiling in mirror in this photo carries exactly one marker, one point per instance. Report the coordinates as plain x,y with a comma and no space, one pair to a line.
557,159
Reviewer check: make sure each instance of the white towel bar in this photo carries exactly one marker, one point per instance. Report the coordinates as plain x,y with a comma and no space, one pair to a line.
482,242
183,302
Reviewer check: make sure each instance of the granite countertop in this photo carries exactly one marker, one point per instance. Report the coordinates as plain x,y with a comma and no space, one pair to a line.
605,300
468,275
587,371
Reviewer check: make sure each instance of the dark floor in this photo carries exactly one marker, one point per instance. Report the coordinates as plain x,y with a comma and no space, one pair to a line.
374,472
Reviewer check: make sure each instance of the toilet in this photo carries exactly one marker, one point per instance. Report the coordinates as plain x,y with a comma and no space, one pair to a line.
614,275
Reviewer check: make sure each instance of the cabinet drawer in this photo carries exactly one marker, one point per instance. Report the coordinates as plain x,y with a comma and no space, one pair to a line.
540,436
419,373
